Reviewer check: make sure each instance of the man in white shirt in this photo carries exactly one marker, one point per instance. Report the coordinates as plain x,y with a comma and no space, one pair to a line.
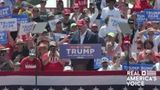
110,11
105,29
105,64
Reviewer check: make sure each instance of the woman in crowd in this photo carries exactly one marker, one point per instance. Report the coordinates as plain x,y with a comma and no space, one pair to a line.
51,60
112,47
20,51
148,55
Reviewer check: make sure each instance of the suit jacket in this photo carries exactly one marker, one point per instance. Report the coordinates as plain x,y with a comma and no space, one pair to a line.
90,38
85,64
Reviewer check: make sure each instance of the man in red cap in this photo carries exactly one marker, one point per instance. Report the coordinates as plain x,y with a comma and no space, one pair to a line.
66,20
83,36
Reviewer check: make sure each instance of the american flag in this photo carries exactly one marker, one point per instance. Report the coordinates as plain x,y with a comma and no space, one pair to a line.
108,80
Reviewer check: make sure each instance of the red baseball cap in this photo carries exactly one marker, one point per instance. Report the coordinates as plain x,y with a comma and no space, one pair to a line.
66,12
81,22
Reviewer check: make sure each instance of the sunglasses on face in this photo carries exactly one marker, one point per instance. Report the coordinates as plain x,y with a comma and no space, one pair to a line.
42,1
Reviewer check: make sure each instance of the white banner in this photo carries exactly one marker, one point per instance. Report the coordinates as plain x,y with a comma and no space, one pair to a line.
26,28
52,24
8,24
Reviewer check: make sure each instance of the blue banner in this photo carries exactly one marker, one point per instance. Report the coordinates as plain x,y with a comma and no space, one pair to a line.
3,38
21,18
141,18
137,67
80,51
5,12
152,14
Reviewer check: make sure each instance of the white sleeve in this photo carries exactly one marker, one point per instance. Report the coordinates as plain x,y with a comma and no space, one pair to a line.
101,33
103,16
118,13
94,16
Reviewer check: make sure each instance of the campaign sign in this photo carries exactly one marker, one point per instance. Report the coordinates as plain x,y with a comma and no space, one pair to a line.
21,18
8,24
141,18
3,38
80,51
152,14
5,12
26,28
137,67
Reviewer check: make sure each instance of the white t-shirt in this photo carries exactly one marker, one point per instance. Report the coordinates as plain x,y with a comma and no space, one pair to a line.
106,12
103,69
104,30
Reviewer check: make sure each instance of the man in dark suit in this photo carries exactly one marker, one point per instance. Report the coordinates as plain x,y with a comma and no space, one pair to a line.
83,36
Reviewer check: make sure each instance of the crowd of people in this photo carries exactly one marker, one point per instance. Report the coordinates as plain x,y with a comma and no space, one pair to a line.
90,26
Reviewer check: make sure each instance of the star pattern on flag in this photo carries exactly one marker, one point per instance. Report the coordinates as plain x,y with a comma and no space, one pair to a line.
110,88
95,88
65,88
140,88
80,88
50,88
5,88
155,88
20,88
125,88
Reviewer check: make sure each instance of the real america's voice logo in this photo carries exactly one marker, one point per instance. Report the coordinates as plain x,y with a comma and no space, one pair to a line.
138,78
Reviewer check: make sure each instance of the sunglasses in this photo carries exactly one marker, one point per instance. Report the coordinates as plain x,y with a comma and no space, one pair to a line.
42,1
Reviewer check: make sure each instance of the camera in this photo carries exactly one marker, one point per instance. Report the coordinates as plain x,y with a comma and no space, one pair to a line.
130,21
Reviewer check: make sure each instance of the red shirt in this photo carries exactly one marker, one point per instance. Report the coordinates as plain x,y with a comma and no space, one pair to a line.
30,65
140,5
52,65
82,4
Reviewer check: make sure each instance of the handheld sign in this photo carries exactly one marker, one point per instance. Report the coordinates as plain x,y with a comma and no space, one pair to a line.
58,36
21,18
39,28
141,18
3,38
152,14
26,28
8,24
125,28
52,24
80,51
138,67
5,12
